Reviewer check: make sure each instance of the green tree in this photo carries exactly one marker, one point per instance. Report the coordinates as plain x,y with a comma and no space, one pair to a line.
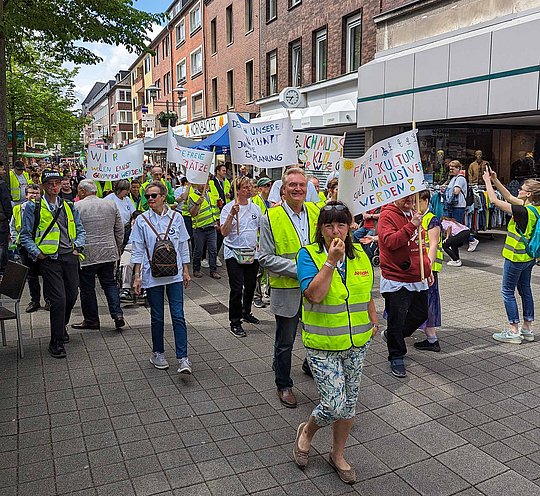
55,27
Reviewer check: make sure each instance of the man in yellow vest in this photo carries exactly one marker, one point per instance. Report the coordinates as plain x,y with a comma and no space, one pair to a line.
284,230
157,175
55,236
18,180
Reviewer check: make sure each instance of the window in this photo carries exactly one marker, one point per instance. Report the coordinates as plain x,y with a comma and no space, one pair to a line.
353,27
165,46
195,19
125,136
135,103
133,77
229,26
249,15
147,64
180,31
124,117
271,10
156,57
182,109
181,71
320,51
295,63
294,3
214,95
197,105
123,96
213,36
271,62
167,83
196,62
249,81
230,89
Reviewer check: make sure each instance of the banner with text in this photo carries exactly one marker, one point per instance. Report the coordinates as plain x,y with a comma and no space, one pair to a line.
267,145
319,152
391,169
196,164
112,165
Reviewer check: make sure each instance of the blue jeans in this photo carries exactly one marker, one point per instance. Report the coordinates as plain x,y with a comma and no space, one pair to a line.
285,335
360,233
517,274
87,283
156,300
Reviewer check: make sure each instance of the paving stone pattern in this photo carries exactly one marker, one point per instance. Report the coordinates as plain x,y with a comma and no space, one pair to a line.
105,422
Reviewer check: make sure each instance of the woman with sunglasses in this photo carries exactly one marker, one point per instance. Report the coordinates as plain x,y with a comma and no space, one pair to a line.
163,220
518,264
339,319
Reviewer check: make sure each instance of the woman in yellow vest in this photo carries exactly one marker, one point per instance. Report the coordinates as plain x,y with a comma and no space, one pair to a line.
431,227
518,264
339,319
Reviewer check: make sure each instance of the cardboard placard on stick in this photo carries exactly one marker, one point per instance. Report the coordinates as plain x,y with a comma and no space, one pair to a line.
235,197
420,240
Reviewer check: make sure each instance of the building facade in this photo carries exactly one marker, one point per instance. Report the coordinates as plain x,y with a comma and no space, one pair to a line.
120,113
466,75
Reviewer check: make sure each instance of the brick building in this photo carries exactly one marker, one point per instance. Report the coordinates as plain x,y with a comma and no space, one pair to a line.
231,37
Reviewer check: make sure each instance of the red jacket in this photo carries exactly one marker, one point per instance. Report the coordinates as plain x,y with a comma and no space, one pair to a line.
398,245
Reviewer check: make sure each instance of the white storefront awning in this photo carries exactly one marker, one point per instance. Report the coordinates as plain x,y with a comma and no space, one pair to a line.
484,72
313,117
342,112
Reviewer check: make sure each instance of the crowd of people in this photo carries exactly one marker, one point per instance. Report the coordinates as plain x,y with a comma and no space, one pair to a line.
289,244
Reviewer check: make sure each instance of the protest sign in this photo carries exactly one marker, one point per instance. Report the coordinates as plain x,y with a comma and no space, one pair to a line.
391,169
195,163
319,152
112,165
266,145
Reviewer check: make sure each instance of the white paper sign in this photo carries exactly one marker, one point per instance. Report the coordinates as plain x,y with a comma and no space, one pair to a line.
266,145
391,169
112,165
319,152
195,163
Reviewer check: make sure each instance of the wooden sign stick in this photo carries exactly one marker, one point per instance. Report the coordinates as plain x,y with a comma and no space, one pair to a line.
420,240
235,197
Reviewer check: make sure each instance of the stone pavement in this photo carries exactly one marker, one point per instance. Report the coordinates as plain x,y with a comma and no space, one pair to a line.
105,422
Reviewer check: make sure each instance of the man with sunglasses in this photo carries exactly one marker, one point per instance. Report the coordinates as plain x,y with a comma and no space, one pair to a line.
284,230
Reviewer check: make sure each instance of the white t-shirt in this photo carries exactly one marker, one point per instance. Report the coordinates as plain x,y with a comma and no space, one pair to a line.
125,206
311,196
249,219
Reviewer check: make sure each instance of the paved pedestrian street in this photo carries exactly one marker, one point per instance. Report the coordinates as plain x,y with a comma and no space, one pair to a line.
105,422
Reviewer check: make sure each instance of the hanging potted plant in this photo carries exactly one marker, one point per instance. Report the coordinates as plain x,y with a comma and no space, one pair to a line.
165,118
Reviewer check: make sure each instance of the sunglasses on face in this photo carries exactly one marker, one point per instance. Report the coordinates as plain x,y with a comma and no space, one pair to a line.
151,195
339,208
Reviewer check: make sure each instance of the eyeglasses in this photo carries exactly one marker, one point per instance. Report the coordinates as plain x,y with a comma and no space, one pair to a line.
338,207
152,195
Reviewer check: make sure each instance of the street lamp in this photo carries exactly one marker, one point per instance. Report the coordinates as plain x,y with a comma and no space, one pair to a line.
180,90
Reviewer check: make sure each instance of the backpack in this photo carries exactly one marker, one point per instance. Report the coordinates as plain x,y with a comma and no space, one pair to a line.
532,246
469,198
163,262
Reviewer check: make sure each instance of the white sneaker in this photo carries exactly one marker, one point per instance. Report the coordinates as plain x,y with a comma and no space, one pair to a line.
472,245
507,336
526,334
454,263
204,264
158,361
184,366
218,262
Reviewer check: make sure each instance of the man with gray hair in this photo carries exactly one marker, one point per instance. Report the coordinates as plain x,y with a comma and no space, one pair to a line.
104,237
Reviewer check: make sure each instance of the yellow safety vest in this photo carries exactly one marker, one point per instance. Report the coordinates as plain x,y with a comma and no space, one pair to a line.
257,200
17,221
208,212
226,188
286,239
169,195
437,264
514,247
322,196
101,189
341,320
49,245
185,205
15,185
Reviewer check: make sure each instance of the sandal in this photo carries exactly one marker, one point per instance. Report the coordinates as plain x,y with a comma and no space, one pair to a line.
347,476
300,457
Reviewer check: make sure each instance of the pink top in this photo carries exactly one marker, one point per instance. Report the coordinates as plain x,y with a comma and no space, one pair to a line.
455,226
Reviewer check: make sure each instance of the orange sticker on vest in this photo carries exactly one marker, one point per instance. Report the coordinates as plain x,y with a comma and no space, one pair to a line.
361,273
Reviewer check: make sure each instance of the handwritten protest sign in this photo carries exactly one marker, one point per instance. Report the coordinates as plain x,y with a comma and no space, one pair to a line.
196,163
319,152
391,169
112,165
267,144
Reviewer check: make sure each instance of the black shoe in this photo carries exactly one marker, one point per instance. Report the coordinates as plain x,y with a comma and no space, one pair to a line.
57,350
238,331
398,367
65,337
119,323
306,369
47,306
427,346
85,325
251,319
33,306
